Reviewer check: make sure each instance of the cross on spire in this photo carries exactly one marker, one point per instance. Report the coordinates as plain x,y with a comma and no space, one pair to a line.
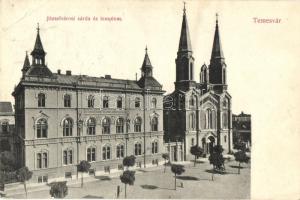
217,18
146,49
38,27
184,7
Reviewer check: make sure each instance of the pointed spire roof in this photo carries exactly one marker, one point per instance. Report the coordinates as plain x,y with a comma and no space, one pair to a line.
217,51
146,62
38,46
26,64
185,41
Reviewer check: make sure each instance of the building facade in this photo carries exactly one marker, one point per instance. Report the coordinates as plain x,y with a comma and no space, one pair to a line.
241,125
7,127
62,119
198,113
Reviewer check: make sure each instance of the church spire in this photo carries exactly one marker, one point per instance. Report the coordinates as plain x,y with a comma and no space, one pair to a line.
26,64
146,67
38,53
185,41
217,52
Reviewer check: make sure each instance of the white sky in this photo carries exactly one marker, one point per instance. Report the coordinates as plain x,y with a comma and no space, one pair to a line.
262,59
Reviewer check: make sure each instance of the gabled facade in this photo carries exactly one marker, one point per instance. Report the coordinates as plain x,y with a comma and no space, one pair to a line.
62,119
198,113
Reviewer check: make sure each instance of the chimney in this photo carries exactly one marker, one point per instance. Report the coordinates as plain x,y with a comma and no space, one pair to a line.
68,72
107,77
58,71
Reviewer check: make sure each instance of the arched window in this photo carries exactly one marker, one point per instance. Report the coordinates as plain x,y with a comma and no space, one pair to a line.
68,127
106,125
120,125
106,153
192,121
192,101
153,103
224,76
41,128
208,119
91,101
91,154
67,100
105,102
225,120
67,157
5,127
91,126
120,151
119,102
137,149
154,147
41,100
137,124
191,71
154,124
137,102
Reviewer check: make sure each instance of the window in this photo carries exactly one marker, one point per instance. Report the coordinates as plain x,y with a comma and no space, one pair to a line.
192,102
138,149
225,138
154,147
91,126
120,167
42,160
42,179
41,100
192,121
137,102
67,127
120,125
139,164
107,169
67,100
120,151
154,124
106,126
5,127
209,119
106,153
119,102
67,157
68,175
91,154
137,124
105,102
153,102
225,120
193,142
41,128
91,101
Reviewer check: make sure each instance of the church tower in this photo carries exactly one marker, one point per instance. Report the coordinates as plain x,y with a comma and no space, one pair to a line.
185,59
38,53
217,67
26,64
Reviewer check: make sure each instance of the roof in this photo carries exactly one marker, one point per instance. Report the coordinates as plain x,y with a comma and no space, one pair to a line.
149,82
38,46
185,41
39,70
6,107
217,51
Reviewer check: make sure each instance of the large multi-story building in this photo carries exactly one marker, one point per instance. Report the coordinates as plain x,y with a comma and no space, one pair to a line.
198,113
7,127
62,119
241,128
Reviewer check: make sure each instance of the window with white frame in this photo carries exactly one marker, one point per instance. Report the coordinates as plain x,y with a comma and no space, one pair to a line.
91,154
91,101
41,100
119,102
42,160
137,124
120,125
106,152
105,102
154,124
106,125
67,100
137,102
137,149
91,126
5,127
154,147
41,128
68,157
120,151
153,103
68,127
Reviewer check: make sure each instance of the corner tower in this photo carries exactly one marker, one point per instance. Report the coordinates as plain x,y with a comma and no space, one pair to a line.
185,59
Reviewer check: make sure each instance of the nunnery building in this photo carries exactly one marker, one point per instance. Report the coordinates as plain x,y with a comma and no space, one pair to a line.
197,113
62,118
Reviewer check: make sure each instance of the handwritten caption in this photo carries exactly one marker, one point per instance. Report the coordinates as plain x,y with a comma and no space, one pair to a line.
84,18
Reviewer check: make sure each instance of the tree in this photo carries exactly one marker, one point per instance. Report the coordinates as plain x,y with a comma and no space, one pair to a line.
241,157
7,162
4,146
82,167
129,161
23,175
197,152
59,189
177,170
165,156
216,159
240,146
128,177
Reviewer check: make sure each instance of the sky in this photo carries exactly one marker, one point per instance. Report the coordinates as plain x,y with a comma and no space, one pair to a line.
262,58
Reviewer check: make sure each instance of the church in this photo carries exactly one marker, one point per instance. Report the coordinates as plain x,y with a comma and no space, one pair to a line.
198,113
